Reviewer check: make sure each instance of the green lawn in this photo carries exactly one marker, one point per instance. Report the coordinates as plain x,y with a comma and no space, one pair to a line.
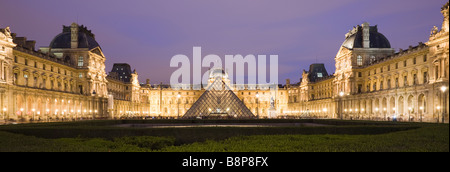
427,139
343,136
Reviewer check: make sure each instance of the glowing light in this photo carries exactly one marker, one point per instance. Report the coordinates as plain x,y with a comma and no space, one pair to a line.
443,88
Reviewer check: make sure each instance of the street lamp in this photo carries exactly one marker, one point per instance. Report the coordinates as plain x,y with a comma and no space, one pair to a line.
33,112
341,94
21,113
56,114
409,114
444,102
46,116
376,112
178,108
257,105
439,109
4,115
421,112
394,116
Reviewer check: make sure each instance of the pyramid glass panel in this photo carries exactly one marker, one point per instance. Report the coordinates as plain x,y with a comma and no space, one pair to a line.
218,102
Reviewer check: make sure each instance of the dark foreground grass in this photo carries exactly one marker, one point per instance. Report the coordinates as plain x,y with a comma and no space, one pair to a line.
344,136
426,139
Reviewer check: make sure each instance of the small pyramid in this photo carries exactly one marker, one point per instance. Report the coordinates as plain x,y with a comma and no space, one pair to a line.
219,102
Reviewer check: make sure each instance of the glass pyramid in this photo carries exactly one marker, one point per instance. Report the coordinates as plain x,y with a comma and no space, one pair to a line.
218,102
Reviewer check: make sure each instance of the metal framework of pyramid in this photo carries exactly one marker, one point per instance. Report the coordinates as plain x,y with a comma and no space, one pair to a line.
218,102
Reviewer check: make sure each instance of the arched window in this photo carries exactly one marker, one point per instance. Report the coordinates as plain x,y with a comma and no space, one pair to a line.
80,61
359,61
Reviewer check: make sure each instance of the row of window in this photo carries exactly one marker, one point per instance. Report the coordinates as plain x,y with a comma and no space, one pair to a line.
388,67
42,85
52,69
405,83
359,61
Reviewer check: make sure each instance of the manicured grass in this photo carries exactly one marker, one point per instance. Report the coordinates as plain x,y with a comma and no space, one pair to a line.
346,136
20,143
426,139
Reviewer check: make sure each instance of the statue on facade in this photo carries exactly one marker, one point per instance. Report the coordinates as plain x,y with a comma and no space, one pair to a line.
435,30
7,32
272,103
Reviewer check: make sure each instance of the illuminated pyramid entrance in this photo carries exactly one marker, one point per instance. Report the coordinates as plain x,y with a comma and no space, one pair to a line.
218,102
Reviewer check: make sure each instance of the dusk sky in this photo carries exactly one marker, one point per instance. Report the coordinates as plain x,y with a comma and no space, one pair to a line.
147,33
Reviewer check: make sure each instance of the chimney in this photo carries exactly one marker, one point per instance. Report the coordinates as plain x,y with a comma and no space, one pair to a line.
74,35
366,35
30,44
147,81
288,83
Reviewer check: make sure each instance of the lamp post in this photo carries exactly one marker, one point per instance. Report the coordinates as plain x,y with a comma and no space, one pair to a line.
178,108
47,114
21,113
257,105
421,112
33,113
4,115
444,102
56,114
341,94
362,113
394,117
409,114
439,111
376,111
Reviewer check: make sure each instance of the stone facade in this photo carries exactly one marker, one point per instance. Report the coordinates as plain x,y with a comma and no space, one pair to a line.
67,80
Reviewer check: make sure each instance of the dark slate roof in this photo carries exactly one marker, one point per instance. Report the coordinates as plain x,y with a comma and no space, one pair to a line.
85,39
122,70
377,40
316,72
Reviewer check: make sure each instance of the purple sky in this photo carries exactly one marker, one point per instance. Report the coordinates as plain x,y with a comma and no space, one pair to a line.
148,33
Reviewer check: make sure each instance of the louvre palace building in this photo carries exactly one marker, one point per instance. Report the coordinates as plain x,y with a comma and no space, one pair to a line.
68,81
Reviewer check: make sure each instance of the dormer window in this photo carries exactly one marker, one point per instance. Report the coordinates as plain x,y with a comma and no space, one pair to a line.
359,61
372,59
319,75
80,61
